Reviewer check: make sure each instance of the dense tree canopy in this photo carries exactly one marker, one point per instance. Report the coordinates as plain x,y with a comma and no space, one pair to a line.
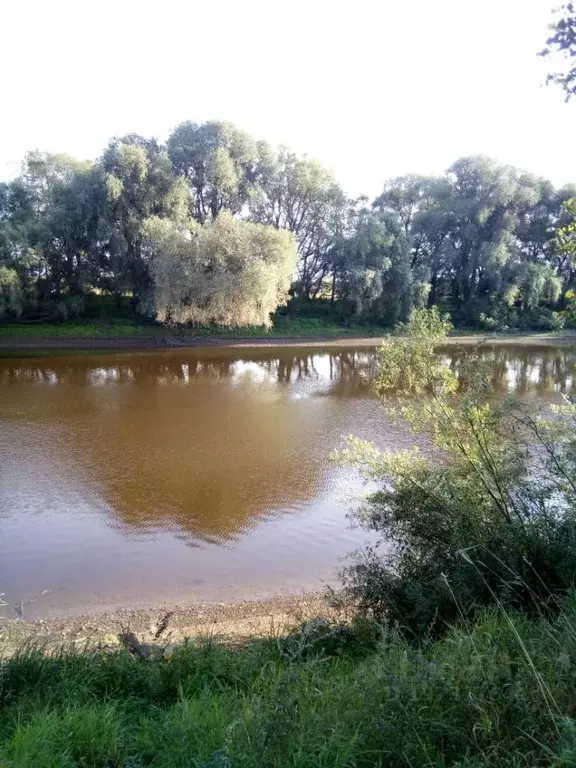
300,195
219,163
227,272
203,229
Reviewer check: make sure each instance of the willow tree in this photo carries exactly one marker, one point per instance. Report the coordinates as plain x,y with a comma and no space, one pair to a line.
300,195
565,247
218,162
225,272
138,183
373,262
419,204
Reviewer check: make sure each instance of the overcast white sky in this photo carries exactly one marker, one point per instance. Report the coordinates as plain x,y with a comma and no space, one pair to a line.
373,88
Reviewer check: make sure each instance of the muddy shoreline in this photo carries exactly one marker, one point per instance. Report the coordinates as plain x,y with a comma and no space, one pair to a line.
15,343
230,622
168,342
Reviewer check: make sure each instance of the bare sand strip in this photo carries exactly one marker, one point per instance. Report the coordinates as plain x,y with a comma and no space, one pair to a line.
171,342
230,622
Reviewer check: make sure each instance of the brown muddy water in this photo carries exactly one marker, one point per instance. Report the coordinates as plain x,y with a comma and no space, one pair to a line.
138,479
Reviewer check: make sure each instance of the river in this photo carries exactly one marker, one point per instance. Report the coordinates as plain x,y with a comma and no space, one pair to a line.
145,478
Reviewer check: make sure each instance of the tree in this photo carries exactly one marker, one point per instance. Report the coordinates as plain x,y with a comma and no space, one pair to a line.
11,299
565,248
136,183
420,202
63,193
299,195
562,42
218,162
21,263
373,265
16,258
225,272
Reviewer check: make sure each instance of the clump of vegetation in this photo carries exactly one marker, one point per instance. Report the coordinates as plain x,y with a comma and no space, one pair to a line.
510,319
227,272
496,693
192,230
490,519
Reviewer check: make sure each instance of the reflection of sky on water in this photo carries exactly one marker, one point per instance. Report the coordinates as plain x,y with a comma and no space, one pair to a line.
193,474
517,368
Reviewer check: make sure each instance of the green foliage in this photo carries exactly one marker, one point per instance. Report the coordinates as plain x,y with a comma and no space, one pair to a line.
565,240
219,163
10,293
478,241
373,263
562,44
481,238
137,183
407,362
499,692
491,517
299,195
225,272
511,319
322,638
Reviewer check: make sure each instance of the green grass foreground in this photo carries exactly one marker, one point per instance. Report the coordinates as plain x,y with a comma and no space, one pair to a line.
499,694
291,327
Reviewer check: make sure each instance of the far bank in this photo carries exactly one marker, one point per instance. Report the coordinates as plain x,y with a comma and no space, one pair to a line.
93,338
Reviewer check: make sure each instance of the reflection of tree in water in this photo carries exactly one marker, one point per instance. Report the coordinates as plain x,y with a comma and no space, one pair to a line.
208,443
204,445
341,372
524,370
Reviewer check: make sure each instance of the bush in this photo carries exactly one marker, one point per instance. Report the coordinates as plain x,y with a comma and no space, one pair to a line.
491,520
68,308
11,294
511,319
324,638
569,314
107,306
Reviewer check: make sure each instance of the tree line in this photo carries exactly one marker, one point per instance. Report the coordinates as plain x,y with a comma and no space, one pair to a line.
216,227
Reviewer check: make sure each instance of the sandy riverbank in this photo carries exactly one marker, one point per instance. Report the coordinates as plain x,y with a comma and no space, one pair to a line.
232,622
167,342
25,343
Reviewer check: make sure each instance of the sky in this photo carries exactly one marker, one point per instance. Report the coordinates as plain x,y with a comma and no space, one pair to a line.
372,88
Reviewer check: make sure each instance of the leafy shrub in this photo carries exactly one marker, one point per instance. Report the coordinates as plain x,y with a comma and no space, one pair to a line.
321,637
492,519
107,306
569,314
540,319
68,308
11,294
512,319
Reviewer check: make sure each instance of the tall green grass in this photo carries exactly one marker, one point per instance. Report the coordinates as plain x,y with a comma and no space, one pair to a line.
499,693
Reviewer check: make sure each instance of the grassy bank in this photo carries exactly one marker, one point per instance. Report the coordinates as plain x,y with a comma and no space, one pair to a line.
125,334
286,327
500,693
